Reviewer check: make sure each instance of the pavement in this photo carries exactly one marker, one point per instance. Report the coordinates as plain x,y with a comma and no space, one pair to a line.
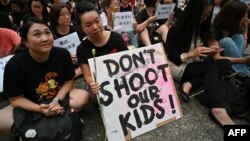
195,125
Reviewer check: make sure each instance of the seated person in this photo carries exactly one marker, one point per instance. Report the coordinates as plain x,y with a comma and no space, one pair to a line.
9,40
147,25
101,41
45,75
109,7
60,23
229,32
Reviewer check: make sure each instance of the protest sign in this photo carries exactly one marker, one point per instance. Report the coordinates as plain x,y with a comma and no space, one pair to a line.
163,11
3,62
123,21
69,42
137,92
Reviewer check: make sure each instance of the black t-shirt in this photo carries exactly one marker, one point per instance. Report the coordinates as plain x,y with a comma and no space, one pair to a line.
124,9
37,81
115,44
143,16
72,29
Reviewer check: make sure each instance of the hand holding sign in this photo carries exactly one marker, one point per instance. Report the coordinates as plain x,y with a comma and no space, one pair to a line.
123,21
137,92
164,11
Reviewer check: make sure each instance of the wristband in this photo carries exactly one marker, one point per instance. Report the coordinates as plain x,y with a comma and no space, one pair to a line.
57,100
184,57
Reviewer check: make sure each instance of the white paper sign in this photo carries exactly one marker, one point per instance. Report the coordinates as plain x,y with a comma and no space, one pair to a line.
69,42
123,21
137,92
163,11
3,62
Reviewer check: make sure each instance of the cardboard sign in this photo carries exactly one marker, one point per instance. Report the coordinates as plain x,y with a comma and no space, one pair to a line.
123,21
163,11
69,42
137,92
3,62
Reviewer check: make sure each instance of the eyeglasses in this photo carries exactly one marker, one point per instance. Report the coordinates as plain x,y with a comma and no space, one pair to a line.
115,5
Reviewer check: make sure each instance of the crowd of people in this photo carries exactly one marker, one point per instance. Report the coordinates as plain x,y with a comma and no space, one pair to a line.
203,39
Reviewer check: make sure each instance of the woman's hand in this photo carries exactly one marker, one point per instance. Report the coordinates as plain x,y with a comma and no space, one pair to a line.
95,87
51,109
247,59
244,24
200,51
73,58
134,24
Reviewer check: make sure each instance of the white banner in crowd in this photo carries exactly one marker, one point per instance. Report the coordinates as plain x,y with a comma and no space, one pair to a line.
123,21
137,92
69,42
163,11
3,62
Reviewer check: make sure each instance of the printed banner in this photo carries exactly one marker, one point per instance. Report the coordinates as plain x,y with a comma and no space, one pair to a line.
69,42
163,11
123,21
137,92
3,62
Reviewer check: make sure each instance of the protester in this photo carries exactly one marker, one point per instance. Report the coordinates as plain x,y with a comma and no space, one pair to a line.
37,8
188,64
110,7
17,13
40,73
60,22
147,25
101,41
230,28
9,40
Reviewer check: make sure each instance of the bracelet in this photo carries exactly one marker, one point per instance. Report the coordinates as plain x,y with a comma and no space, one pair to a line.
57,100
184,57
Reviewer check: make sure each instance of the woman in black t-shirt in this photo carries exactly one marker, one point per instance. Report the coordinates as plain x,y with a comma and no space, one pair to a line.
103,42
38,75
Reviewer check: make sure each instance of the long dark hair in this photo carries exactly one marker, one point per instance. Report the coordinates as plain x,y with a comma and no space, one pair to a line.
188,26
230,16
45,12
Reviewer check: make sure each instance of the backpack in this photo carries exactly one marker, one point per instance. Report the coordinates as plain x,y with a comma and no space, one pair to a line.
32,126
236,86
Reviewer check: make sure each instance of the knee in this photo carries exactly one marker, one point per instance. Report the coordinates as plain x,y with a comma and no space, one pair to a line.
78,99
225,42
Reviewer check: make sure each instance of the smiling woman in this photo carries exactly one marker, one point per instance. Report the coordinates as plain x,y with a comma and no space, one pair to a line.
44,78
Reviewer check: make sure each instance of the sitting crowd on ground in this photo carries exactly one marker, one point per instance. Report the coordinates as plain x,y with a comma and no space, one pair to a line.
203,40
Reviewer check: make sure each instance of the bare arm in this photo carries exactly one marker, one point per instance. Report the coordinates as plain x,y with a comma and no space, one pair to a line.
217,56
88,78
140,27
